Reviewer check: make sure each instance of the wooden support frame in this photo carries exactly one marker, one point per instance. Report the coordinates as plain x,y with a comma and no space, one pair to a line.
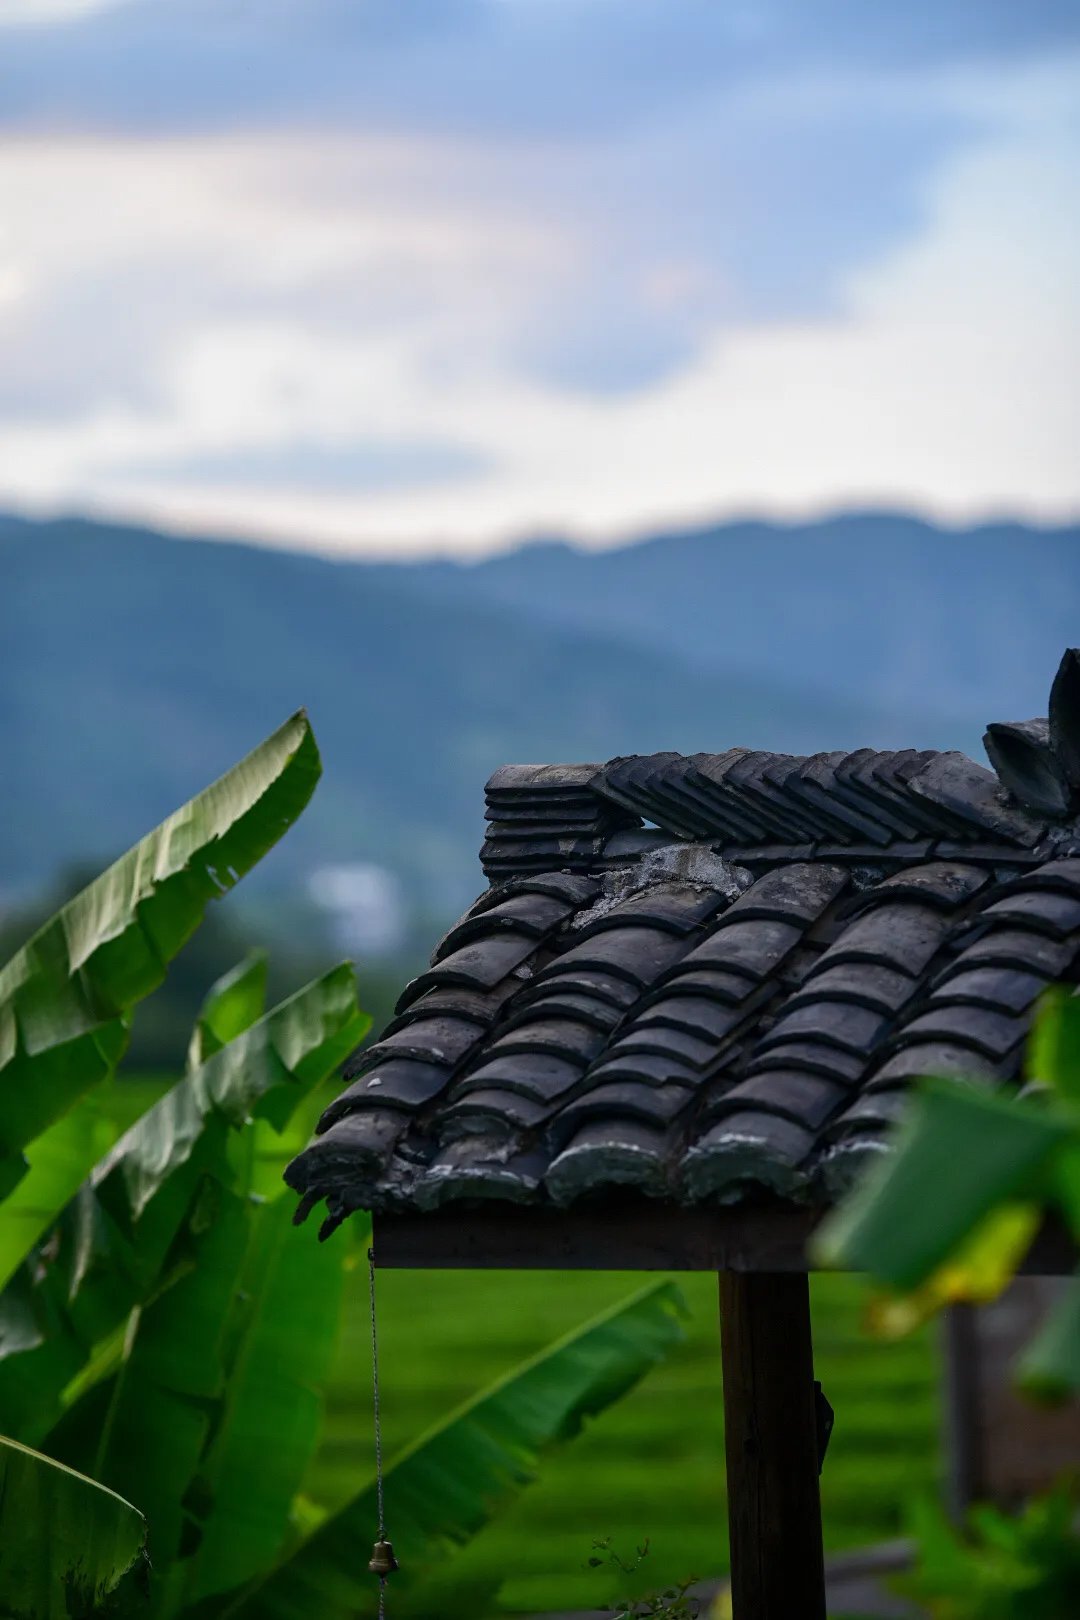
963,1442
771,1441
762,1255
633,1236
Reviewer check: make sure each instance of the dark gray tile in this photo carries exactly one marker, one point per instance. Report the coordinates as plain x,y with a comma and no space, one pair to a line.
809,1100
864,984
992,1033
903,935
937,1057
995,988
624,1099
532,1074
394,1083
638,954
947,885
560,1037
616,1154
851,1028
971,793
1004,946
1045,911
479,966
750,946
745,1151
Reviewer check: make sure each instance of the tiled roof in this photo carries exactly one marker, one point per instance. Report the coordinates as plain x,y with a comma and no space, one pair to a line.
700,976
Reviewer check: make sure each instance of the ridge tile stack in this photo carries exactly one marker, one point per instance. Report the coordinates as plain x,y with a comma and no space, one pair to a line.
546,817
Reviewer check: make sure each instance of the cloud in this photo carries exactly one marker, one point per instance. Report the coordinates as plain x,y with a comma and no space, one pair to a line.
944,376
472,67
352,466
527,262
38,14
598,266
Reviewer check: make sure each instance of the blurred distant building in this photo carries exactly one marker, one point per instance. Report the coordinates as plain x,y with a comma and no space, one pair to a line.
364,906
1001,1446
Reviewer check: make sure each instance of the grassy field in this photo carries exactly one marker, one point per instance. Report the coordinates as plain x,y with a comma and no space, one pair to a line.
652,1466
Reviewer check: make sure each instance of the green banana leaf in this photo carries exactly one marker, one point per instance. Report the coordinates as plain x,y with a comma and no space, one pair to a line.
214,1412
279,1338
450,1483
117,1242
142,1430
1065,1183
65,1542
60,1159
1050,1366
64,1154
65,998
332,1479
233,1003
959,1152
1053,1054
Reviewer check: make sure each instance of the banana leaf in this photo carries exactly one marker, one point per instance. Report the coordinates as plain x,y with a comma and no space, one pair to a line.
65,998
60,1159
1050,1366
233,1003
212,1416
975,1272
63,1155
960,1152
450,1483
143,1430
279,1339
333,1476
65,1542
120,1240
1053,1054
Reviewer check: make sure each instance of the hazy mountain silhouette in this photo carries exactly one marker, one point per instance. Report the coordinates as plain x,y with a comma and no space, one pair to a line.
136,667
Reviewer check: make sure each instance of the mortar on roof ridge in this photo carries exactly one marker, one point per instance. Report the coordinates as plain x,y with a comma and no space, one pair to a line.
695,864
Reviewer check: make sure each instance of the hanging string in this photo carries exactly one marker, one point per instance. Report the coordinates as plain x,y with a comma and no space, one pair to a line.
381,1541
375,1387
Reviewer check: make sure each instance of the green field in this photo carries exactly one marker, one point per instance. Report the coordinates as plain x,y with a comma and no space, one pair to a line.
652,1465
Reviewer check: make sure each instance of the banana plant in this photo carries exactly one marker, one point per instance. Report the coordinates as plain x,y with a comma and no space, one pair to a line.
449,1483
66,1001
66,1543
66,998
121,1237
185,1332
166,1335
950,1213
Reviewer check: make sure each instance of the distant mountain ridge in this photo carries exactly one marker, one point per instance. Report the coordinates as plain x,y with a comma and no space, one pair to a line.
134,667
889,606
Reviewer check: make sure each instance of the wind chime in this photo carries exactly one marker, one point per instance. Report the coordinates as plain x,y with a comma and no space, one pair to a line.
382,1562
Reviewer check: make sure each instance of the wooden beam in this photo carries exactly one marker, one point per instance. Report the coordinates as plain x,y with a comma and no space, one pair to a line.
631,1235
623,1235
770,1435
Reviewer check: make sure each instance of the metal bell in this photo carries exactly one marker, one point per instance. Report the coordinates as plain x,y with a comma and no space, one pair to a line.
382,1562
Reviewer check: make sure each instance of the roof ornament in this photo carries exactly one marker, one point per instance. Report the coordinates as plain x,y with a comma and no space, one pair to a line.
1038,761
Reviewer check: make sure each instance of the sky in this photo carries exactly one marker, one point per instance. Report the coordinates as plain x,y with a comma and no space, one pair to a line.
405,276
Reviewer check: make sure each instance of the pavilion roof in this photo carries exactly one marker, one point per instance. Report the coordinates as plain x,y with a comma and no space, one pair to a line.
697,977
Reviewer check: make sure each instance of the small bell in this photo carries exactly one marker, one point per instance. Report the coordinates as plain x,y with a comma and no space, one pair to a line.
382,1562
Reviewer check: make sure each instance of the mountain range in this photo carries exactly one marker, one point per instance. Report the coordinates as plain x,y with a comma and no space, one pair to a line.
135,666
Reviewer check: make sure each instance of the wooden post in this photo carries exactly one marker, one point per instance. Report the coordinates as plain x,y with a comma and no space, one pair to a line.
963,1427
770,1425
